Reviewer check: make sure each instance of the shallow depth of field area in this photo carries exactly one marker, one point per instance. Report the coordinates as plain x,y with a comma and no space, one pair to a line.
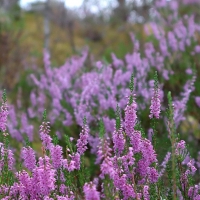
100,100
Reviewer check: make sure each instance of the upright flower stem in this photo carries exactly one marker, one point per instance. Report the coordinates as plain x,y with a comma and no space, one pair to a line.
171,129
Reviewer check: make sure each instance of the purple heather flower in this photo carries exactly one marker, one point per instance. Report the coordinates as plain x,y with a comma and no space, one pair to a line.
173,5
197,100
3,116
197,49
10,157
180,106
25,187
181,144
71,197
130,117
107,168
119,141
72,164
83,140
146,195
76,158
44,135
104,150
191,167
44,176
56,156
189,71
181,148
147,151
153,175
48,198
155,104
193,192
109,124
172,41
40,184
128,160
116,62
12,116
33,98
120,182
187,158
164,163
128,191
136,140
163,47
104,157
99,64
28,156
26,128
91,192
161,3
93,142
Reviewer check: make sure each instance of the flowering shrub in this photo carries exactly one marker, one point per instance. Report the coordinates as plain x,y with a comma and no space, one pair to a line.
136,153
128,161
74,90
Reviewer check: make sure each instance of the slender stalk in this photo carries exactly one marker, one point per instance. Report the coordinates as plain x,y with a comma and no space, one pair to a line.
172,129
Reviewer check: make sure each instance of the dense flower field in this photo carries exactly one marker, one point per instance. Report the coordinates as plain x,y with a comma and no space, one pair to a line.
111,130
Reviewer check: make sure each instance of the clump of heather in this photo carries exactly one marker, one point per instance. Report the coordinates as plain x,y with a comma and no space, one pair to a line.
127,164
74,90
118,161
133,162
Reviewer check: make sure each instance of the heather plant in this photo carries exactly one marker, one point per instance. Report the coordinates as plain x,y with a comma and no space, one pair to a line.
128,165
137,152
73,91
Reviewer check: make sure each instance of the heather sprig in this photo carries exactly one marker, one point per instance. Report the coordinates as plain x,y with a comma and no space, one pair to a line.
155,101
179,174
155,110
3,114
122,163
173,137
83,140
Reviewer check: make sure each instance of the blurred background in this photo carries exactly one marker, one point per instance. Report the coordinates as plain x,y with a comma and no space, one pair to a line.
65,27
